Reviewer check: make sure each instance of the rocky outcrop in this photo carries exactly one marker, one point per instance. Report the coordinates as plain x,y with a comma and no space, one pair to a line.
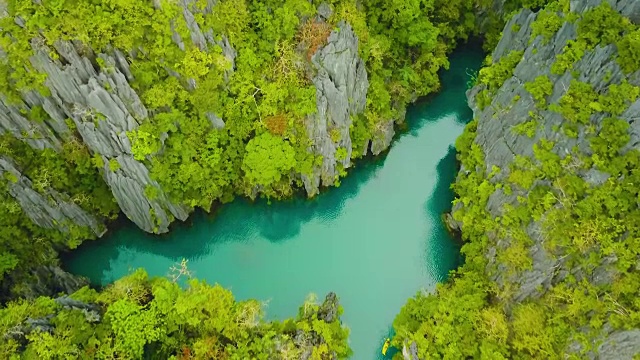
512,105
128,181
51,280
38,134
48,208
307,340
202,40
328,311
93,91
341,92
20,332
104,107
410,352
501,144
627,8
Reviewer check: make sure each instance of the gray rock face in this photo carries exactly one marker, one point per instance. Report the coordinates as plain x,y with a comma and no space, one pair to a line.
203,40
496,121
512,105
93,91
324,11
630,9
341,92
216,121
49,210
52,280
38,134
104,108
620,345
328,311
19,332
410,352
128,184
306,340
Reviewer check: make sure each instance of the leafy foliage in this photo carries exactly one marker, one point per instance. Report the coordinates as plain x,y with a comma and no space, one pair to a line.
141,318
582,223
540,88
494,76
268,158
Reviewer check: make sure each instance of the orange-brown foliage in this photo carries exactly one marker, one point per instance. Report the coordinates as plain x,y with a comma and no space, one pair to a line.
276,124
185,354
313,35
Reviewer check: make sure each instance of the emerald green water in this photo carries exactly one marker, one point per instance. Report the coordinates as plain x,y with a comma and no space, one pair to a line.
376,240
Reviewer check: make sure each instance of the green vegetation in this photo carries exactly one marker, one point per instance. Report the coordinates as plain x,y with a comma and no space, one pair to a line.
599,25
138,317
546,25
540,88
494,76
263,98
583,226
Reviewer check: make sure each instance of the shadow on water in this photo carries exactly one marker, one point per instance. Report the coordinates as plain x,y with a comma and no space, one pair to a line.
440,241
282,220
241,220
237,221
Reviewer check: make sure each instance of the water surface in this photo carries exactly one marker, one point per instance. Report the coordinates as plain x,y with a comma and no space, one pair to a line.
376,240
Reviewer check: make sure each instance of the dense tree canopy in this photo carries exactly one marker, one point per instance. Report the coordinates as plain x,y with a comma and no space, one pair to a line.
221,126
137,317
588,228
217,127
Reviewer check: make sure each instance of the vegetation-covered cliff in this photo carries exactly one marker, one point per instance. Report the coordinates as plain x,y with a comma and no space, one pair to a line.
154,108
548,197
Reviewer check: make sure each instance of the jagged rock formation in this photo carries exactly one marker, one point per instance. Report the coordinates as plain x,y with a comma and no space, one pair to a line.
51,280
91,95
341,92
410,352
327,312
52,211
511,105
198,38
103,107
103,118
30,325
501,145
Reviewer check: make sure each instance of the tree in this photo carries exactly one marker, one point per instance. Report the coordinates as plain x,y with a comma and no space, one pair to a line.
268,159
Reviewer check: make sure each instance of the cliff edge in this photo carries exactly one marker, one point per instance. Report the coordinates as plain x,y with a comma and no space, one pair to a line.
548,196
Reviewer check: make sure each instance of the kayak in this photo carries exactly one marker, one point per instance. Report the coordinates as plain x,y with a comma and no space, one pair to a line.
385,347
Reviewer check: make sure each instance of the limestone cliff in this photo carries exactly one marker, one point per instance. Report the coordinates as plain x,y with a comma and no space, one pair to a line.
516,123
341,92
49,210
90,95
103,108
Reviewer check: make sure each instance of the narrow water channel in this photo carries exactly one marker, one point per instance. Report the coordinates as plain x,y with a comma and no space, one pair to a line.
376,240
